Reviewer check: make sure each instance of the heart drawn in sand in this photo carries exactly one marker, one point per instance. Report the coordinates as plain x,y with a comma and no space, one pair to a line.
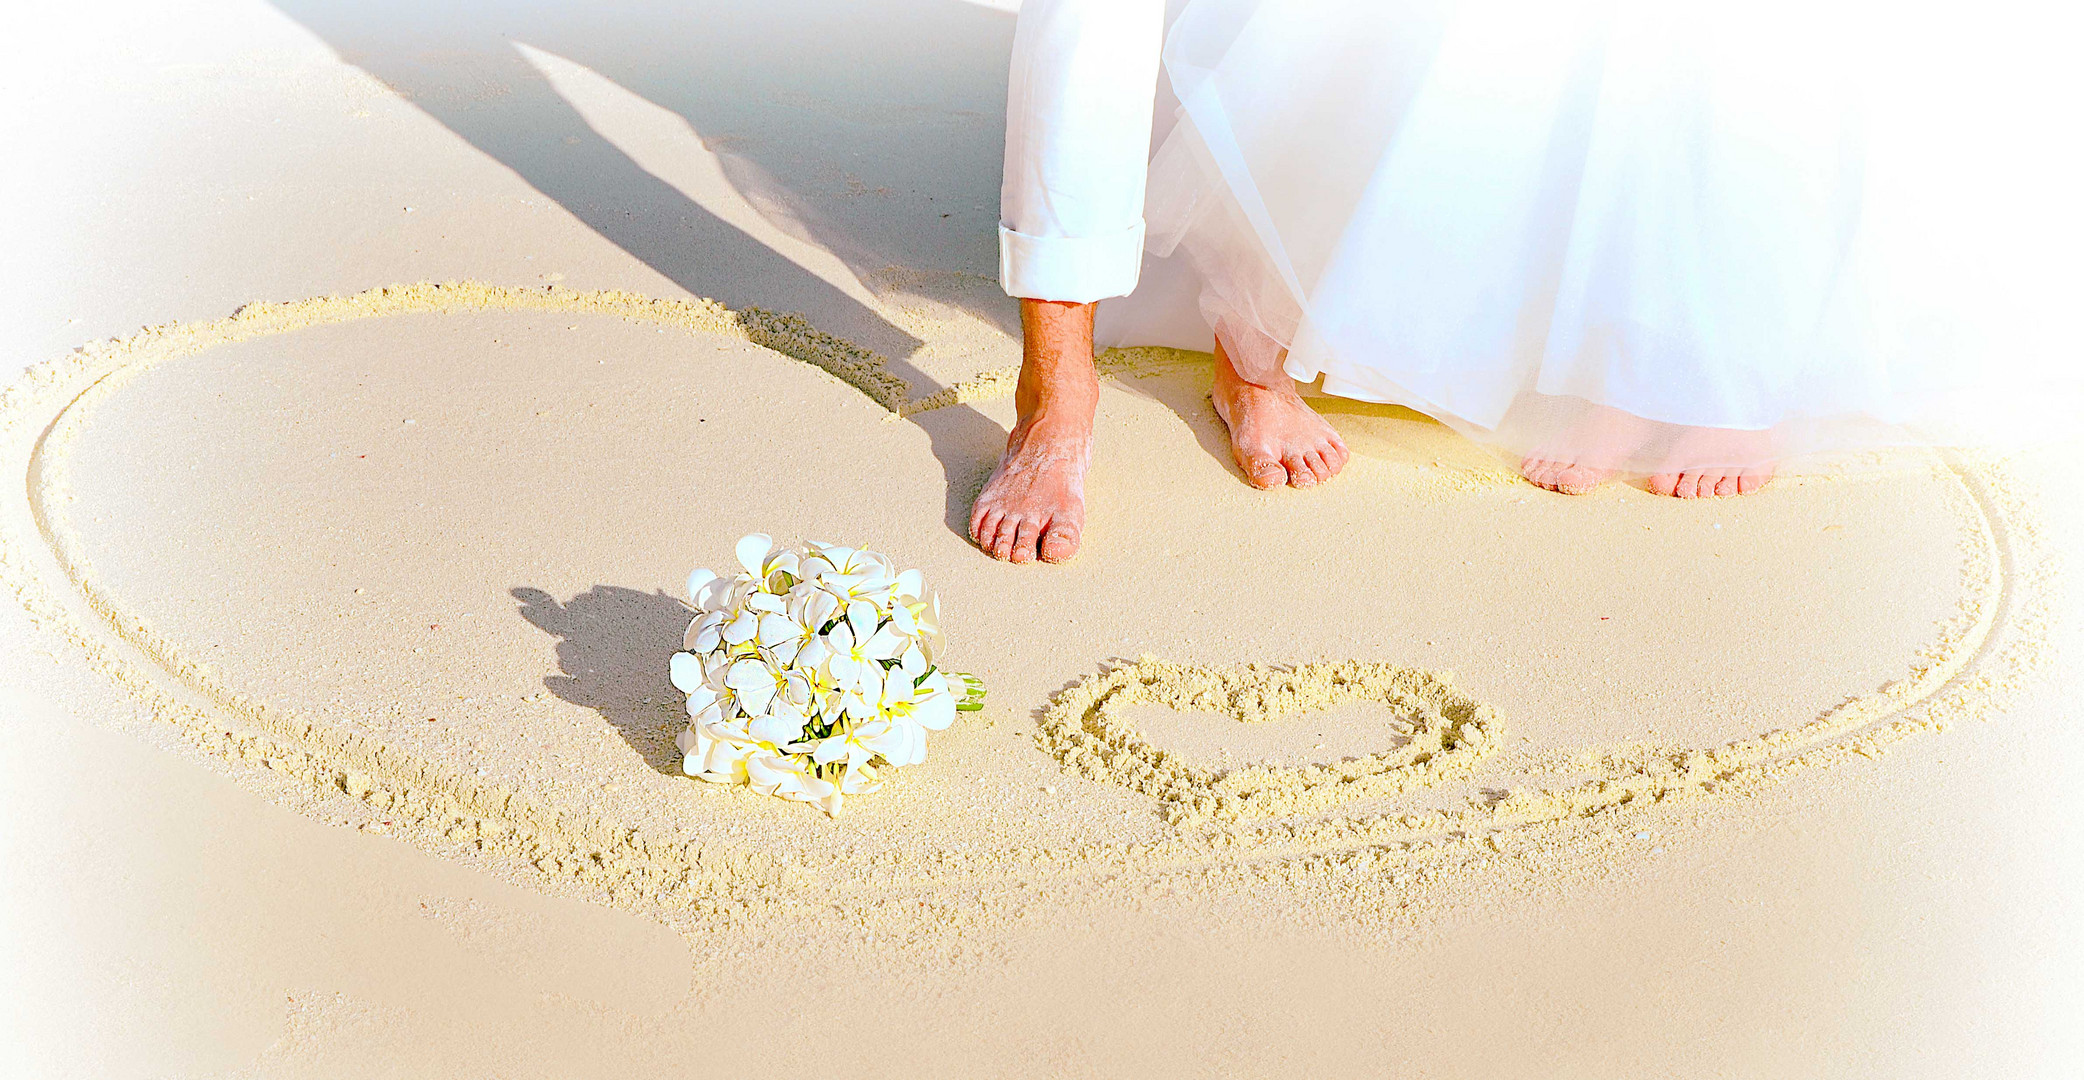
1324,813
1449,733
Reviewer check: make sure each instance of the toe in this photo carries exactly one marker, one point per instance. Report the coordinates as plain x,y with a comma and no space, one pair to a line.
1059,542
1336,455
1538,471
1328,463
1748,482
1726,484
1689,485
984,523
1299,474
1264,473
1577,479
1319,468
1024,540
1665,483
1002,540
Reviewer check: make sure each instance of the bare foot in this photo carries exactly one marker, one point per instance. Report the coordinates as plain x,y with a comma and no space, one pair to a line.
1274,434
1568,477
1716,444
1606,437
1034,504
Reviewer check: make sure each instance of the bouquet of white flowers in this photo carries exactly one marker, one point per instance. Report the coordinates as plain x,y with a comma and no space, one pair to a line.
811,674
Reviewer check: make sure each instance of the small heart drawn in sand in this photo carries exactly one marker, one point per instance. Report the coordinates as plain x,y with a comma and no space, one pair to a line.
1085,728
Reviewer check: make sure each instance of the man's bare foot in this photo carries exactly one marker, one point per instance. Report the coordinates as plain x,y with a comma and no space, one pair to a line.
1716,444
1034,504
1274,434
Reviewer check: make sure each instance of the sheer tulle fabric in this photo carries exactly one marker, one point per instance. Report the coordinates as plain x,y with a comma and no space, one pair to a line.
1643,236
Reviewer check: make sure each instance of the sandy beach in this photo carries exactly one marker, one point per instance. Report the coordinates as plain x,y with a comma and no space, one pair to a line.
376,376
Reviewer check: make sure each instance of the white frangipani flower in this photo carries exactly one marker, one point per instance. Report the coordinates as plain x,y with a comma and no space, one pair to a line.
930,704
861,694
760,685
784,633
850,573
782,725
894,741
861,643
811,675
712,593
762,563
706,632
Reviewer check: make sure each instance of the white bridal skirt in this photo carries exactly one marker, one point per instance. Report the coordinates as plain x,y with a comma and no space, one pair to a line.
1647,235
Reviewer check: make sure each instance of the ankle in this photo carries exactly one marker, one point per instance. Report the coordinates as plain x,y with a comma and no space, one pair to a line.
1059,389
1229,381
1057,417
1235,390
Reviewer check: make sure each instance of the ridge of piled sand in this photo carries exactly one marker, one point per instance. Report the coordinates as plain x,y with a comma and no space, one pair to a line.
1343,825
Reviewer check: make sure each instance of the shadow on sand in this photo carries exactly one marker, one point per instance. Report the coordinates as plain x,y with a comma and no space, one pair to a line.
612,647
875,131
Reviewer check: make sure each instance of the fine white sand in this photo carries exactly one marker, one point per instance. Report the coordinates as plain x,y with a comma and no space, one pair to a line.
343,744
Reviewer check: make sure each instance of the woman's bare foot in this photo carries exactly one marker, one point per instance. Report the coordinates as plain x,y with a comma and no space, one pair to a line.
1689,480
1603,439
1567,476
1274,434
1609,437
1034,504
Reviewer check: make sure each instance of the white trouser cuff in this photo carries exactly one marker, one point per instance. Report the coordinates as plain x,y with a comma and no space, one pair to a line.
1072,269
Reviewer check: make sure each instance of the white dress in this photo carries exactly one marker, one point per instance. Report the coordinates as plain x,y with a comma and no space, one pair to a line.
1647,236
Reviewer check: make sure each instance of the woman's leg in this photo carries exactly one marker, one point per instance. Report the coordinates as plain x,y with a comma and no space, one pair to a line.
1274,434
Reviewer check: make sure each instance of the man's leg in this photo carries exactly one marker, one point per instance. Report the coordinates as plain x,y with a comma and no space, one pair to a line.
1078,125
1034,503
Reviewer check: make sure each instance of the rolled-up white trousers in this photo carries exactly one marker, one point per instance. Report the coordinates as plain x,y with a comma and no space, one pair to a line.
1078,132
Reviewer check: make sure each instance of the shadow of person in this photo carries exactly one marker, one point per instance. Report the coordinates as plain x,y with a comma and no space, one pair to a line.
613,646
874,131
1184,390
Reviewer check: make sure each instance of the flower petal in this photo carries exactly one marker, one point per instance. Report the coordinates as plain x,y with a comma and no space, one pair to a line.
885,644
742,627
752,551
830,750
862,618
686,672
934,712
776,628
749,674
698,583
704,633
782,726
